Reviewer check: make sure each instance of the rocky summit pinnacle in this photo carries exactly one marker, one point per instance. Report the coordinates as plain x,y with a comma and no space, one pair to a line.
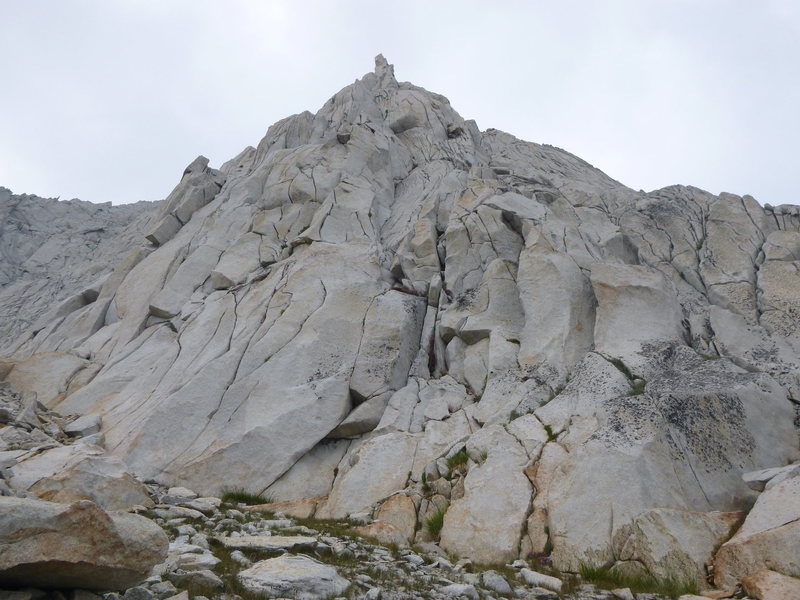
383,312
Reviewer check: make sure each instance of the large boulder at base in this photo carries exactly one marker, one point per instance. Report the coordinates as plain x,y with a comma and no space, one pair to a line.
300,577
49,545
383,532
768,539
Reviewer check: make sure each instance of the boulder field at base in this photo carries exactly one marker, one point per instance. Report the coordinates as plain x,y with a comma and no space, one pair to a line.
451,338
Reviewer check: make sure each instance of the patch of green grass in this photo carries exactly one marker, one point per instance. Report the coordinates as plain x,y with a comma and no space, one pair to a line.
241,496
506,571
435,522
667,586
514,415
426,487
622,368
331,527
458,459
551,435
637,387
637,383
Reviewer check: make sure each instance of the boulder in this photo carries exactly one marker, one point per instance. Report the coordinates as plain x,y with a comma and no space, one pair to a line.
85,425
495,582
460,590
80,471
766,478
182,493
202,578
389,344
237,262
636,305
164,230
50,545
559,307
540,579
399,511
300,577
46,374
769,585
311,476
768,539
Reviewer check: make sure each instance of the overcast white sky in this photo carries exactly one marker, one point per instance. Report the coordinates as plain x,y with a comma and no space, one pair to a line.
109,100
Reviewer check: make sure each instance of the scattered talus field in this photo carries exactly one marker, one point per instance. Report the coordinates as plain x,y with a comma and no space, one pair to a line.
386,354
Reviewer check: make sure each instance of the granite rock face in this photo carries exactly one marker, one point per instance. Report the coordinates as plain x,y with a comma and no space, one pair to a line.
381,298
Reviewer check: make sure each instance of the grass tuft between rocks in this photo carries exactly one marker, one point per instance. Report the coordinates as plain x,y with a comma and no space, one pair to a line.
435,522
458,459
607,577
242,496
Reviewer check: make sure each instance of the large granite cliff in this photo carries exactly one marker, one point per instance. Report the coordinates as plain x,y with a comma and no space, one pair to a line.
381,298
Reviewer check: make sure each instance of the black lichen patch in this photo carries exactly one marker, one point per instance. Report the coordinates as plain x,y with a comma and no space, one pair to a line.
694,406
711,426
466,299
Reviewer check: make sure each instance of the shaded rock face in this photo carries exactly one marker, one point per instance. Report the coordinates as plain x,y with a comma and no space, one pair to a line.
382,298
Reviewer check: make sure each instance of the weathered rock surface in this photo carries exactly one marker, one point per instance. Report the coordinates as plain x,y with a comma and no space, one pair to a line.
51,545
342,310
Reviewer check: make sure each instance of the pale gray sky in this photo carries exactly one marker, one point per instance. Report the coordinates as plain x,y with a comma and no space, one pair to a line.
110,100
